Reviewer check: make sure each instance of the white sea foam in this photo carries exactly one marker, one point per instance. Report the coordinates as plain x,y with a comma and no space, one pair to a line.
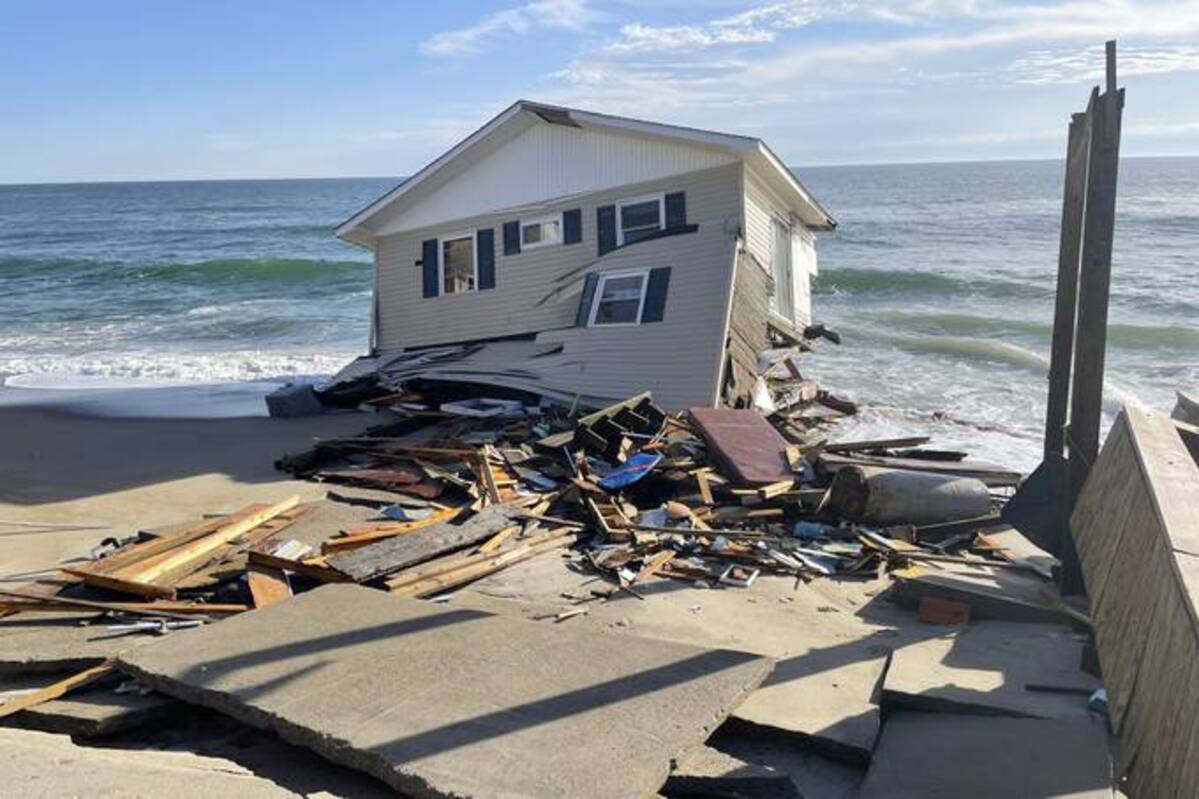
146,367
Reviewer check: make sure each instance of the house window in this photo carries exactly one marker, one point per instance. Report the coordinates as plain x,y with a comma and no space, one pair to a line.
459,269
639,218
619,299
541,232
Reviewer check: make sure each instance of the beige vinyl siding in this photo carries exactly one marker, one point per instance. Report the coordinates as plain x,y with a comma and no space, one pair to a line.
679,358
761,206
407,319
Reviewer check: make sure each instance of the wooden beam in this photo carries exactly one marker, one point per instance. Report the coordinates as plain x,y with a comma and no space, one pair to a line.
267,584
55,690
203,547
384,530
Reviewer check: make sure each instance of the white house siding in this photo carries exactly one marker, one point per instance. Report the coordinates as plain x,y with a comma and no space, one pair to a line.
760,208
547,161
679,358
406,319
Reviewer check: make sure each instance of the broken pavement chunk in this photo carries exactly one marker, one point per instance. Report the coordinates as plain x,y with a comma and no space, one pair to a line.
446,702
923,755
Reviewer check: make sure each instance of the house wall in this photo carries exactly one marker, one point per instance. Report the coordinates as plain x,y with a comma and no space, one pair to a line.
679,358
406,319
760,207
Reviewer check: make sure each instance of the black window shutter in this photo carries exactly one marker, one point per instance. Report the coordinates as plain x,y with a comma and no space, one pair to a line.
511,238
428,267
654,309
572,226
605,224
676,209
485,241
584,312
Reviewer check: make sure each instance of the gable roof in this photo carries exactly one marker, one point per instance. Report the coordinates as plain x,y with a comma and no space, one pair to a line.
523,114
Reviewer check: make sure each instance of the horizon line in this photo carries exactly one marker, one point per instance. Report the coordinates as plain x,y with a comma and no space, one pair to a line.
931,162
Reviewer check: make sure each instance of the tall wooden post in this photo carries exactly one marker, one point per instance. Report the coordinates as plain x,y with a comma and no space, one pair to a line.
1086,401
1061,358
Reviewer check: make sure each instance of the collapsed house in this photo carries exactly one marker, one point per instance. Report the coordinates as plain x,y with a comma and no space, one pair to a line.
581,257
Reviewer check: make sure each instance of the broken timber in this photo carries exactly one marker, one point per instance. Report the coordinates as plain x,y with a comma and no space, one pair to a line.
378,560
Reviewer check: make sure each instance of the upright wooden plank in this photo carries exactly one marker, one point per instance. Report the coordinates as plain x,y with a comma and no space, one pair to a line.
1086,402
1061,357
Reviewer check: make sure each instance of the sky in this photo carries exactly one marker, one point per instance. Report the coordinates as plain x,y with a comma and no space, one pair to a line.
152,90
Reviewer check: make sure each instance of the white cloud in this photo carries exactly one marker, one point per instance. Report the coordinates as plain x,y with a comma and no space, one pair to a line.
1161,128
1042,67
757,25
572,15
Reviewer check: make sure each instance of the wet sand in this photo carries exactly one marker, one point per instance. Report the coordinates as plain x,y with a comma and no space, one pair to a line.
60,468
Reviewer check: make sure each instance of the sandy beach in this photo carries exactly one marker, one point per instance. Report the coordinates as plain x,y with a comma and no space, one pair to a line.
60,468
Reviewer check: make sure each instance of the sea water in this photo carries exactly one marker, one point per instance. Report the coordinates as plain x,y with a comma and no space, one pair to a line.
939,278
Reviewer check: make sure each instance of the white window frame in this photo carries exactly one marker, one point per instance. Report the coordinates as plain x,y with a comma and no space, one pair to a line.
541,220
474,252
599,294
620,204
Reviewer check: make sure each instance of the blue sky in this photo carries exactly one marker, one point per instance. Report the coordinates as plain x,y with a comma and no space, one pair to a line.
144,89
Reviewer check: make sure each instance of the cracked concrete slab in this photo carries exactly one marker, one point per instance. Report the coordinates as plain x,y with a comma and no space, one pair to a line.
450,702
40,765
987,668
946,756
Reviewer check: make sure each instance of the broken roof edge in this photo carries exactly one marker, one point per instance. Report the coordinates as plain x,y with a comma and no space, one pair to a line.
746,148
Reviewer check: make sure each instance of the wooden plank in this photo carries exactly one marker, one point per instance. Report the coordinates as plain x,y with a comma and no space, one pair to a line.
992,475
844,447
1062,348
203,547
386,557
494,563
654,565
379,531
317,571
705,488
55,690
32,602
267,584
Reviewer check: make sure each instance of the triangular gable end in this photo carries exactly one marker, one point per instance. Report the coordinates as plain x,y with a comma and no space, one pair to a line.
531,154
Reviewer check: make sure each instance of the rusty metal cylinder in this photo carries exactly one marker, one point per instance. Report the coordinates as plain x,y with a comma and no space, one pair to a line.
895,496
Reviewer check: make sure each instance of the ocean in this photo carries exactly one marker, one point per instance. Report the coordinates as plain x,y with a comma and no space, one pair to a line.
939,278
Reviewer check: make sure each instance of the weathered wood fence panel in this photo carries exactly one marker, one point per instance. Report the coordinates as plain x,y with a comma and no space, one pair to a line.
1136,527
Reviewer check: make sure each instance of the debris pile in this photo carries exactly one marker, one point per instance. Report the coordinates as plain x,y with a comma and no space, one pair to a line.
453,490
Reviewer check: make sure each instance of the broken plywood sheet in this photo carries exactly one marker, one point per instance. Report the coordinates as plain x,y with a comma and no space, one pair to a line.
748,445
447,702
987,668
946,756
39,765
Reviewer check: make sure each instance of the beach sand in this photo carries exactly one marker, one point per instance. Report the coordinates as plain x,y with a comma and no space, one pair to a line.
57,468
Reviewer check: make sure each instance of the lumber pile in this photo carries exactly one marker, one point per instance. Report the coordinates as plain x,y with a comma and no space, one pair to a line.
633,500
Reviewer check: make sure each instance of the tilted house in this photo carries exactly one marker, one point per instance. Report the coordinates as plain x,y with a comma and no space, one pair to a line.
587,257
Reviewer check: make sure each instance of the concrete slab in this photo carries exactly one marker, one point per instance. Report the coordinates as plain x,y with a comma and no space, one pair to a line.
986,668
96,709
939,756
706,772
992,593
824,688
449,702
39,765
58,642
